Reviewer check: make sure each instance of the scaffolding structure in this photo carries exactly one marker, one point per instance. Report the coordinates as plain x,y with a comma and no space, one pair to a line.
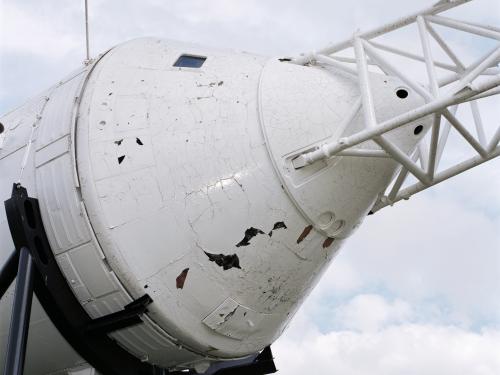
449,85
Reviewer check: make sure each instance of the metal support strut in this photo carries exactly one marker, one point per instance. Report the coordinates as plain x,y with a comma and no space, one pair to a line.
18,334
449,84
8,272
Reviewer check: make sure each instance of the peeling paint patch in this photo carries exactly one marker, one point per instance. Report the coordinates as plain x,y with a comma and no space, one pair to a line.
224,261
181,279
304,233
328,242
119,142
277,225
120,159
139,142
249,234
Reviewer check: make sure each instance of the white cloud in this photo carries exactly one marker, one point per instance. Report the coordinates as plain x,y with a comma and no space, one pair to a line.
371,312
39,31
404,349
432,247
380,343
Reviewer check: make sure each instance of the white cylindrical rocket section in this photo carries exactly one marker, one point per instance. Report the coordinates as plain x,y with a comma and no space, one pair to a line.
165,168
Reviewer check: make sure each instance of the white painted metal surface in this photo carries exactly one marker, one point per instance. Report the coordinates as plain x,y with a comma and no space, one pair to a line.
224,191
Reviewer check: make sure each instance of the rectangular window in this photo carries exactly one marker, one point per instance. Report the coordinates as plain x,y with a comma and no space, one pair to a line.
190,61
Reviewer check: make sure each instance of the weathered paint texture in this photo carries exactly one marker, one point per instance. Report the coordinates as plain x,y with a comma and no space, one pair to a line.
249,234
277,225
225,261
153,163
304,233
327,243
181,279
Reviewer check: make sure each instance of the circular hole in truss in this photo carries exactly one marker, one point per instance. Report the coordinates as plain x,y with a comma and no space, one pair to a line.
402,93
418,129
1,128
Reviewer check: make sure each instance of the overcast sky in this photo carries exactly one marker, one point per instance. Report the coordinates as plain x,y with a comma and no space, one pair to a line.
417,289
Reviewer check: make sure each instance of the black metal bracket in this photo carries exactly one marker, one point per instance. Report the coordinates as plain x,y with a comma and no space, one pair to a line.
258,364
127,317
35,266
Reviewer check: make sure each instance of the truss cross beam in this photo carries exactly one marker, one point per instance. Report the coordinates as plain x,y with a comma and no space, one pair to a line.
443,94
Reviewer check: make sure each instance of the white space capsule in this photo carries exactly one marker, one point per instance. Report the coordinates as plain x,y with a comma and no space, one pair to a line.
166,168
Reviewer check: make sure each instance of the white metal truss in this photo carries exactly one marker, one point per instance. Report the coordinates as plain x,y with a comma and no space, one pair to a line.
459,83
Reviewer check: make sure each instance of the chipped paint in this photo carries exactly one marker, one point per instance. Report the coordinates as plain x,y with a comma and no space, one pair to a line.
328,241
249,234
212,161
304,233
277,225
225,261
181,279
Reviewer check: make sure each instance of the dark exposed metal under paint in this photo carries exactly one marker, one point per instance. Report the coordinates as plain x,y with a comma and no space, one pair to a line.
249,234
224,261
277,225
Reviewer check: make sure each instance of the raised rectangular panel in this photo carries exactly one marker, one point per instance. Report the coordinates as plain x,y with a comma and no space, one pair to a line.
61,211
52,151
92,271
58,113
107,304
81,292
239,322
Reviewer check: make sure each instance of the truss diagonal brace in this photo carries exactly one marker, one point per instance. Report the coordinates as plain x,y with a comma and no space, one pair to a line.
442,93
21,311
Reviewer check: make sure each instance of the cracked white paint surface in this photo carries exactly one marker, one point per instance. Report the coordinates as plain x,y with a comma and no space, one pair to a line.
175,165
203,175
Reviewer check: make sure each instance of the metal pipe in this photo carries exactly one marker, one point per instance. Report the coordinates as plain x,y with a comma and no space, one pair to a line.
465,133
391,124
355,152
401,178
442,176
481,31
330,61
436,126
485,63
21,311
444,137
410,55
481,136
494,141
429,61
402,158
435,9
446,48
87,33
8,272
372,52
423,154
364,86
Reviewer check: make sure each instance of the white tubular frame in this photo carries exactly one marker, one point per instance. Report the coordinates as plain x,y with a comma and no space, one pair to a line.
464,84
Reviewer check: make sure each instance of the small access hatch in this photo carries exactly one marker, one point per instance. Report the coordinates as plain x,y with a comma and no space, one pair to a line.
190,61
